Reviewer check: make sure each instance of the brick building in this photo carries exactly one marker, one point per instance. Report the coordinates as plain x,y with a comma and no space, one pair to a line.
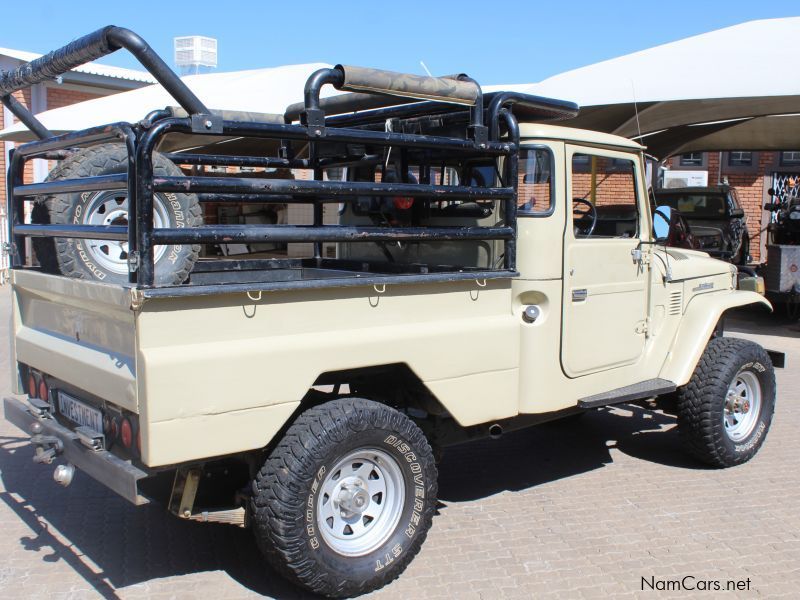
752,174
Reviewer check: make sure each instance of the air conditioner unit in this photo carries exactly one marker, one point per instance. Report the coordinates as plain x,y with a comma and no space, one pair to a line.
195,53
679,179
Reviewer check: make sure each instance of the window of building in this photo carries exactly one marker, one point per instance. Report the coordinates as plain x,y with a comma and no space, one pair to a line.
790,158
692,159
740,159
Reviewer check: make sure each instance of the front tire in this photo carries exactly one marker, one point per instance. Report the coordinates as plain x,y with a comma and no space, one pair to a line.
345,500
725,411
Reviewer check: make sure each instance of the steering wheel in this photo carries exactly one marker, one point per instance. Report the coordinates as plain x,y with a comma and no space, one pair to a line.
583,221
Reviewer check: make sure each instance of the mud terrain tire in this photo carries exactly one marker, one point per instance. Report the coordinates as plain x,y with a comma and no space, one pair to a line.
305,499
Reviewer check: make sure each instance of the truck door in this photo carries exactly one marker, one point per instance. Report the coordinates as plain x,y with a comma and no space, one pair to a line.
605,280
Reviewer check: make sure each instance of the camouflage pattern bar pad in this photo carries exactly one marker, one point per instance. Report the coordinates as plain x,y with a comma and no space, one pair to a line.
76,53
362,79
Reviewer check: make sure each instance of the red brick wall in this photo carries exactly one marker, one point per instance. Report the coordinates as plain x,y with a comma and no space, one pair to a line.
58,97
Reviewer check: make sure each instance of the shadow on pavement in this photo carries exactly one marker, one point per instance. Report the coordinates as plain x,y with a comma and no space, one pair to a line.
559,449
131,545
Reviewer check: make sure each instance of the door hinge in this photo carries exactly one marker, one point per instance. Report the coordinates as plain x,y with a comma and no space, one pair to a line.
643,258
643,326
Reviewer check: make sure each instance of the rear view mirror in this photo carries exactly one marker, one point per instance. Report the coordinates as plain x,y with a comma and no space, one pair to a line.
662,218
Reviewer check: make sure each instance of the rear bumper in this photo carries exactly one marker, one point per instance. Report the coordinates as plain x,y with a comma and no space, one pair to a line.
113,472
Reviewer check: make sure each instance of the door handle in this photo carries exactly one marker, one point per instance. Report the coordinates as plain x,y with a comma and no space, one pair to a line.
579,295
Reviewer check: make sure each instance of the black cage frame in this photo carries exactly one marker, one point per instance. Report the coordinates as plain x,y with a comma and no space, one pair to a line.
329,129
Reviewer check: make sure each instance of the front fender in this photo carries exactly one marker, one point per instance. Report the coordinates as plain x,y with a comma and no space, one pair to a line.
697,324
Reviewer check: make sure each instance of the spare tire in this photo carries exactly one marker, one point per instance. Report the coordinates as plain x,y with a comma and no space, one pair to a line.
105,260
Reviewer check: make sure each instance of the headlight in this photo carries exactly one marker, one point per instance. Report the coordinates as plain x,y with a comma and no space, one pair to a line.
794,215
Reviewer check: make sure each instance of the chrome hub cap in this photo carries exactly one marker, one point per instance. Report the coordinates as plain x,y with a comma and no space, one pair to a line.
360,502
742,405
111,208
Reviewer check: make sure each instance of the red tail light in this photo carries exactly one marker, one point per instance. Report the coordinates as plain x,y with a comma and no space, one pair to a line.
126,433
403,202
44,393
32,387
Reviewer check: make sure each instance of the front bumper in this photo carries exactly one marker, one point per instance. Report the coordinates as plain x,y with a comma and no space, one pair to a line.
113,472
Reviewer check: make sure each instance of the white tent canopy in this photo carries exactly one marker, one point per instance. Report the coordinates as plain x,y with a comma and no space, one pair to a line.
257,91
673,87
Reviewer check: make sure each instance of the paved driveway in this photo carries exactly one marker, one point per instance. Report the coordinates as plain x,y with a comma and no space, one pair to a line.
584,509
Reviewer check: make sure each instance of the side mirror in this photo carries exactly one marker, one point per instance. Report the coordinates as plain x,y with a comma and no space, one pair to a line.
737,213
662,219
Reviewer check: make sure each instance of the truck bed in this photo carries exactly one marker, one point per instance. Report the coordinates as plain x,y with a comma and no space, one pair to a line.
215,374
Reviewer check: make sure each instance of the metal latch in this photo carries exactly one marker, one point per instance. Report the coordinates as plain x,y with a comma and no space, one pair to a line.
39,408
90,438
133,261
642,326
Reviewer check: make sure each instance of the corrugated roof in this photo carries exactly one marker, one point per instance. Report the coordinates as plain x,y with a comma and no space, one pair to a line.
91,68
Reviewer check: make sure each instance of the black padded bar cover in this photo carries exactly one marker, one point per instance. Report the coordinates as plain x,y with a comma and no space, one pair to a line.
84,49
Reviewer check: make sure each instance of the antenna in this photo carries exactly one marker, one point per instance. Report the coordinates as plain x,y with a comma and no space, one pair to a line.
195,54
427,70
636,110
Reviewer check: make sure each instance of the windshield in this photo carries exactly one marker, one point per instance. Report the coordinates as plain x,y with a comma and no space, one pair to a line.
694,205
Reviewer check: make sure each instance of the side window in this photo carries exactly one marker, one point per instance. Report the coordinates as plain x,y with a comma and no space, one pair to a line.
604,197
535,184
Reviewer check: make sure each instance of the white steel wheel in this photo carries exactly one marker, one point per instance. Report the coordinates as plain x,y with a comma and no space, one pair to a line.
360,502
111,208
742,405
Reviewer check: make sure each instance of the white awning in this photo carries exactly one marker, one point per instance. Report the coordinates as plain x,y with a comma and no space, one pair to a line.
675,86
257,91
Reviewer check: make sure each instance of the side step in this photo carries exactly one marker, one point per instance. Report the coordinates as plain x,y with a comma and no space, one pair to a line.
637,391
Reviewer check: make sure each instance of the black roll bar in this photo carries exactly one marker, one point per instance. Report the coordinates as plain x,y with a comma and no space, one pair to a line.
90,47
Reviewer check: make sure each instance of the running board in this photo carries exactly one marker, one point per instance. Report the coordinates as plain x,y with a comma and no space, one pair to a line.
637,391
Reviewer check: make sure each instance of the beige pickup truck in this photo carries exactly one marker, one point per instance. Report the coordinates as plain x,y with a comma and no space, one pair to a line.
471,270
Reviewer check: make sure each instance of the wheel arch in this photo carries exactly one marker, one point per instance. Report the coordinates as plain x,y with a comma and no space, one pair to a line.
697,325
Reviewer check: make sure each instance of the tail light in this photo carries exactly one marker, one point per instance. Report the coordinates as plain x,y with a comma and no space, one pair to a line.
126,433
403,202
33,388
44,392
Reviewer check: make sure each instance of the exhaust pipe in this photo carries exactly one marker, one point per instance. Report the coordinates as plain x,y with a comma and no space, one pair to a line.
495,431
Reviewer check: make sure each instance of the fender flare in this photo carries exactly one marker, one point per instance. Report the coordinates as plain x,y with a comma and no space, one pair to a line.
697,324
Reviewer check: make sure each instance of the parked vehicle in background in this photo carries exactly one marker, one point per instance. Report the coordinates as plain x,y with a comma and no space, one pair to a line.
490,272
716,219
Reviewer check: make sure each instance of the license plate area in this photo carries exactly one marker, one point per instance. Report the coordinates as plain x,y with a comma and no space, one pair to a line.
79,412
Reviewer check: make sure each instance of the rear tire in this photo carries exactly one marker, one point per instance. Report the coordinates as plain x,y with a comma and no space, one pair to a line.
102,260
345,500
725,411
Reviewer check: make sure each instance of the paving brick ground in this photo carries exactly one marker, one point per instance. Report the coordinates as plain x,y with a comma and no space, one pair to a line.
577,510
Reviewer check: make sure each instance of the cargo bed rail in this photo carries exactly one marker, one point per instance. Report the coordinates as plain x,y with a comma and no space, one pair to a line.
315,143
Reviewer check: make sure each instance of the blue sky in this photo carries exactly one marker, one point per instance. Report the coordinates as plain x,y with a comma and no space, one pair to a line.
495,42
